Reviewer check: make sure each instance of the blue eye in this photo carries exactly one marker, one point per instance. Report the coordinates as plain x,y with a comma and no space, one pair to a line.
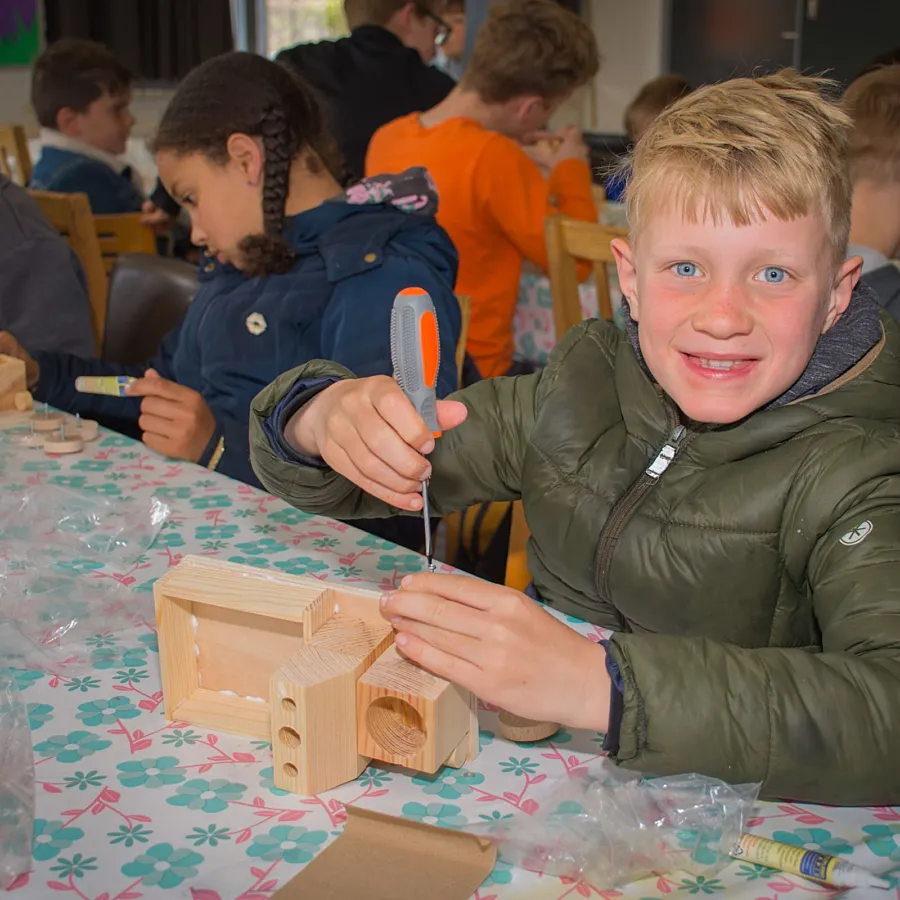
773,275
685,269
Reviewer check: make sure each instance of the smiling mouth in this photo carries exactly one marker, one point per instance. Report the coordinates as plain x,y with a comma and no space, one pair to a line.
719,366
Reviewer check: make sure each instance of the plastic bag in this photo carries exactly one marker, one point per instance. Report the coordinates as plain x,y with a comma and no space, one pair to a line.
620,827
16,784
53,597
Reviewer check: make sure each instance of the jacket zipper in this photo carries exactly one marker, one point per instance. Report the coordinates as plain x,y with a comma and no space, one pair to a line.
678,438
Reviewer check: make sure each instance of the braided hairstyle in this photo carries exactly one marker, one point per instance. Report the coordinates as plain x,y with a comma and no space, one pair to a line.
248,94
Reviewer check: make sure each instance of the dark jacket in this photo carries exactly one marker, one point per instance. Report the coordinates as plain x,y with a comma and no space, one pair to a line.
43,297
240,333
73,173
752,577
365,81
885,282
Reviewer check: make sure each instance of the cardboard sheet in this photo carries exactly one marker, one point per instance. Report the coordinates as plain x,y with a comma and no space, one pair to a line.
380,857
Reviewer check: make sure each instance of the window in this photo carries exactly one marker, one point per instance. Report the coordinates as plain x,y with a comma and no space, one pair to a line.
268,26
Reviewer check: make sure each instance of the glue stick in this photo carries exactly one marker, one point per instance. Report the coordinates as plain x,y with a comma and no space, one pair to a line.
808,863
110,385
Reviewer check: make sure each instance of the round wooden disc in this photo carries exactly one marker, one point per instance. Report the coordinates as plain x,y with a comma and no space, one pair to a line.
87,429
48,423
522,731
35,441
23,401
57,446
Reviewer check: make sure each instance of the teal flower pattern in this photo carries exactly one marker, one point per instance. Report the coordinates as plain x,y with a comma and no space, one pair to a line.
51,837
440,814
105,712
131,676
71,747
293,844
39,714
207,796
884,840
701,885
179,738
84,780
449,784
301,565
216,532
814,839
289,516
163,866
128,836
502,874
75,867
266,780
211,501
374,778
150,773
256,561
212,835
403,565
524,766
24,678
262,547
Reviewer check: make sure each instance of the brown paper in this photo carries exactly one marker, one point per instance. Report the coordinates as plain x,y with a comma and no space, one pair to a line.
381,857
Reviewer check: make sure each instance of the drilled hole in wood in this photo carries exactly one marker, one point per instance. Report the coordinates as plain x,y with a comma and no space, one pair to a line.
290,770
289,737
288,705
395,726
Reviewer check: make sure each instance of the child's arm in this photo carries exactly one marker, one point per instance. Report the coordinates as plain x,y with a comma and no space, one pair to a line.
519,198
356,326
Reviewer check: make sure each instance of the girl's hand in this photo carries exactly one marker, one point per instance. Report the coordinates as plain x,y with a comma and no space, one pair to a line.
503,647
175,419
367,431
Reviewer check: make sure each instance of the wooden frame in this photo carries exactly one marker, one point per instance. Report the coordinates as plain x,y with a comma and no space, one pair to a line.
465,310
569,240
284,658
14,146
123,233
70,215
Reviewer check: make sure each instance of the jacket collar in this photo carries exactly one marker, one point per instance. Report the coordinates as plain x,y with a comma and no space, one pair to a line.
51,138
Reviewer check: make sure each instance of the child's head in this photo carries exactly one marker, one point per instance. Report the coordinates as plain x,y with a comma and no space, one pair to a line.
80,89
651,100
873,101
237,129
415,22
528,58
738,208
454,15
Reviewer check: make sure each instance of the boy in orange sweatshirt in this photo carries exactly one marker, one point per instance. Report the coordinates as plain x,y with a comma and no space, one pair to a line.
530,55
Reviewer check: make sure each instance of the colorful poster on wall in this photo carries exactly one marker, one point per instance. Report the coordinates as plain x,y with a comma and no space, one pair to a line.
20,32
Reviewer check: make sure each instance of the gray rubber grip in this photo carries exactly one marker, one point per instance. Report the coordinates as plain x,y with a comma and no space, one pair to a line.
406,354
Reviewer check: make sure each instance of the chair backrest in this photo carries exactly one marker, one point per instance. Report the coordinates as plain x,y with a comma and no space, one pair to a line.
148,297
569,240
517,574
465,309
15,160
123,233
70,215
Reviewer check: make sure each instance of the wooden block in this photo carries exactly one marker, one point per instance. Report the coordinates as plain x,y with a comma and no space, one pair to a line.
408,716
474,743
58,445
312,699
12,381
457,759
87,429
523,731
49,422
23,401
224,629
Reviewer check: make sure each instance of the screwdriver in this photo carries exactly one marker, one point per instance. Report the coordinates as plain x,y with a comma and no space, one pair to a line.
415,354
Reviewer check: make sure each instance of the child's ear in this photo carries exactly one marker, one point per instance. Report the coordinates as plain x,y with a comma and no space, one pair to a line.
845,281
247,153
627,274
67,122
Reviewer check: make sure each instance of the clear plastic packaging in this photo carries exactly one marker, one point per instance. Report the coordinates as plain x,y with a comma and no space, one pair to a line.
16,784
54,596
618,827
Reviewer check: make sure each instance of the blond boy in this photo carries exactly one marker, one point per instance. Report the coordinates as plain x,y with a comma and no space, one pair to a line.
873,100
720,485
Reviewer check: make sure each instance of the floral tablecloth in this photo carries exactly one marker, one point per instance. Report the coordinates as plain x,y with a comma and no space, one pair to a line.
130,806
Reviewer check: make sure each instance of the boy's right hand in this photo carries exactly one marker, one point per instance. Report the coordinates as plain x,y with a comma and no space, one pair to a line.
9,346
366,430
572,146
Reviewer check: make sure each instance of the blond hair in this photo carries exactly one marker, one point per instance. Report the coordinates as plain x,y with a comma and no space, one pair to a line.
531,47
873,101
749,146
651,100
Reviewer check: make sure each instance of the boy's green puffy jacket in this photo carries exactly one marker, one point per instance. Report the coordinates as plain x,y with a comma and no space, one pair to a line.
754,581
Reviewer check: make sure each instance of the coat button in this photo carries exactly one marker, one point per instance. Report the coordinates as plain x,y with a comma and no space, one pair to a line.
209,267
370,257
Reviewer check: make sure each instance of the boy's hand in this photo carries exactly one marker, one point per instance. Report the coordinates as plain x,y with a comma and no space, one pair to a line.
367,431
157,219
503,647
9,346
572,146
175,419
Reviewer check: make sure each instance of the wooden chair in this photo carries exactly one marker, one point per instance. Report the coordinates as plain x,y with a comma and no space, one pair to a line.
123,233
15,160
465,309
70,215
569,240
517,574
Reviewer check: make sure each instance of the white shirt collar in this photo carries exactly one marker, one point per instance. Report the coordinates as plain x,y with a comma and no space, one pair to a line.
52,138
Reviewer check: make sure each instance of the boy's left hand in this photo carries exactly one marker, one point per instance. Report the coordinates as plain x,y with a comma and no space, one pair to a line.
503,647
175,419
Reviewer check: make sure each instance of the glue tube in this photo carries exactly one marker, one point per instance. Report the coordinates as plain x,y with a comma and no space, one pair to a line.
798,861
110,385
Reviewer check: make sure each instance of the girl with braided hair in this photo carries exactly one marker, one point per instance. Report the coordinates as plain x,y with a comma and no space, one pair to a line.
294,268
